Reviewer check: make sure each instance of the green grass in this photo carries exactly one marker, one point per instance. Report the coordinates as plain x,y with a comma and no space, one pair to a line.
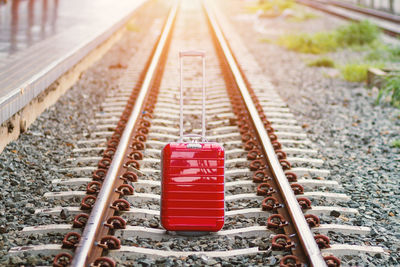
376,55
275,8
395,143
302,15
394,52
317,43
271,6
360,33
391,90
356,72
384,53
352,35
322,62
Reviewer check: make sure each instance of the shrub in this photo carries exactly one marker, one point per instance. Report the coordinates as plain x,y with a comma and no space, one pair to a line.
377,55
396,143
394,53
322,62
354,72
272,6
354,34
391,89
357,33
384,52
306,43
280,5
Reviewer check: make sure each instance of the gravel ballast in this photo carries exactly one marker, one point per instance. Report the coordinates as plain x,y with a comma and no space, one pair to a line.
352,134
28,165
340,118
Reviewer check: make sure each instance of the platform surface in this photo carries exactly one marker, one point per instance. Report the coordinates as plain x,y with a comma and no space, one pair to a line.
41,39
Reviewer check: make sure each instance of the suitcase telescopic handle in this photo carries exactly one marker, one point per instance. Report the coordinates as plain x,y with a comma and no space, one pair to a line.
193,53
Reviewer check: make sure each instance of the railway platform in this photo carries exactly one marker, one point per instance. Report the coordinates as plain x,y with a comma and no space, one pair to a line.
42,40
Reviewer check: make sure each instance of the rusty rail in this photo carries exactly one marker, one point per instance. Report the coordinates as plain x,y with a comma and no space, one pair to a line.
267,161
89,239
392,29
310,247
364,10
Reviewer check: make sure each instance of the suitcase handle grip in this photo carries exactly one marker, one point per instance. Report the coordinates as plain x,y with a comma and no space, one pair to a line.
193,53
193,135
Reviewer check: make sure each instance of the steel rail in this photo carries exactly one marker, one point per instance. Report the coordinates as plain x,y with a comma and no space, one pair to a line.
324,7
88,237
304,233
365,10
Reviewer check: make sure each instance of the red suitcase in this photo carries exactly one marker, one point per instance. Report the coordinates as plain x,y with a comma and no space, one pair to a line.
193,192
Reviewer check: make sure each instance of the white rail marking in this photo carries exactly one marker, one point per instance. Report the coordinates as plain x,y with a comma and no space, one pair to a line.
326,210
145,197
160,234
208,117
105,127
114,109
49,250
53,249
307,171
112,103
92,141
290,150
193,112
343,250
155,253
170,137
297,135
84,160
342,229
73,181
285,127
88,149
316,162
79,169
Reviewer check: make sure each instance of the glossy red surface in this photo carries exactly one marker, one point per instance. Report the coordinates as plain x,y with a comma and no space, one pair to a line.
193,194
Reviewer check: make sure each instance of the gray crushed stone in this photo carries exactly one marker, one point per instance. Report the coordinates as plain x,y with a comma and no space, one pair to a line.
205,243
28,165
340,118
268,258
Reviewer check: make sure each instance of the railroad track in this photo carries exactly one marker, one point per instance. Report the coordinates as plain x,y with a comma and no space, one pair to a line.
275,187
389,23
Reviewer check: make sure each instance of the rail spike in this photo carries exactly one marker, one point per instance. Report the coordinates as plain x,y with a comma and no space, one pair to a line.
62,260
258,144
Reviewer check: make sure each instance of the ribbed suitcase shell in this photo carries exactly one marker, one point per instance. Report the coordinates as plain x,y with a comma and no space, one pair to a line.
193,193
